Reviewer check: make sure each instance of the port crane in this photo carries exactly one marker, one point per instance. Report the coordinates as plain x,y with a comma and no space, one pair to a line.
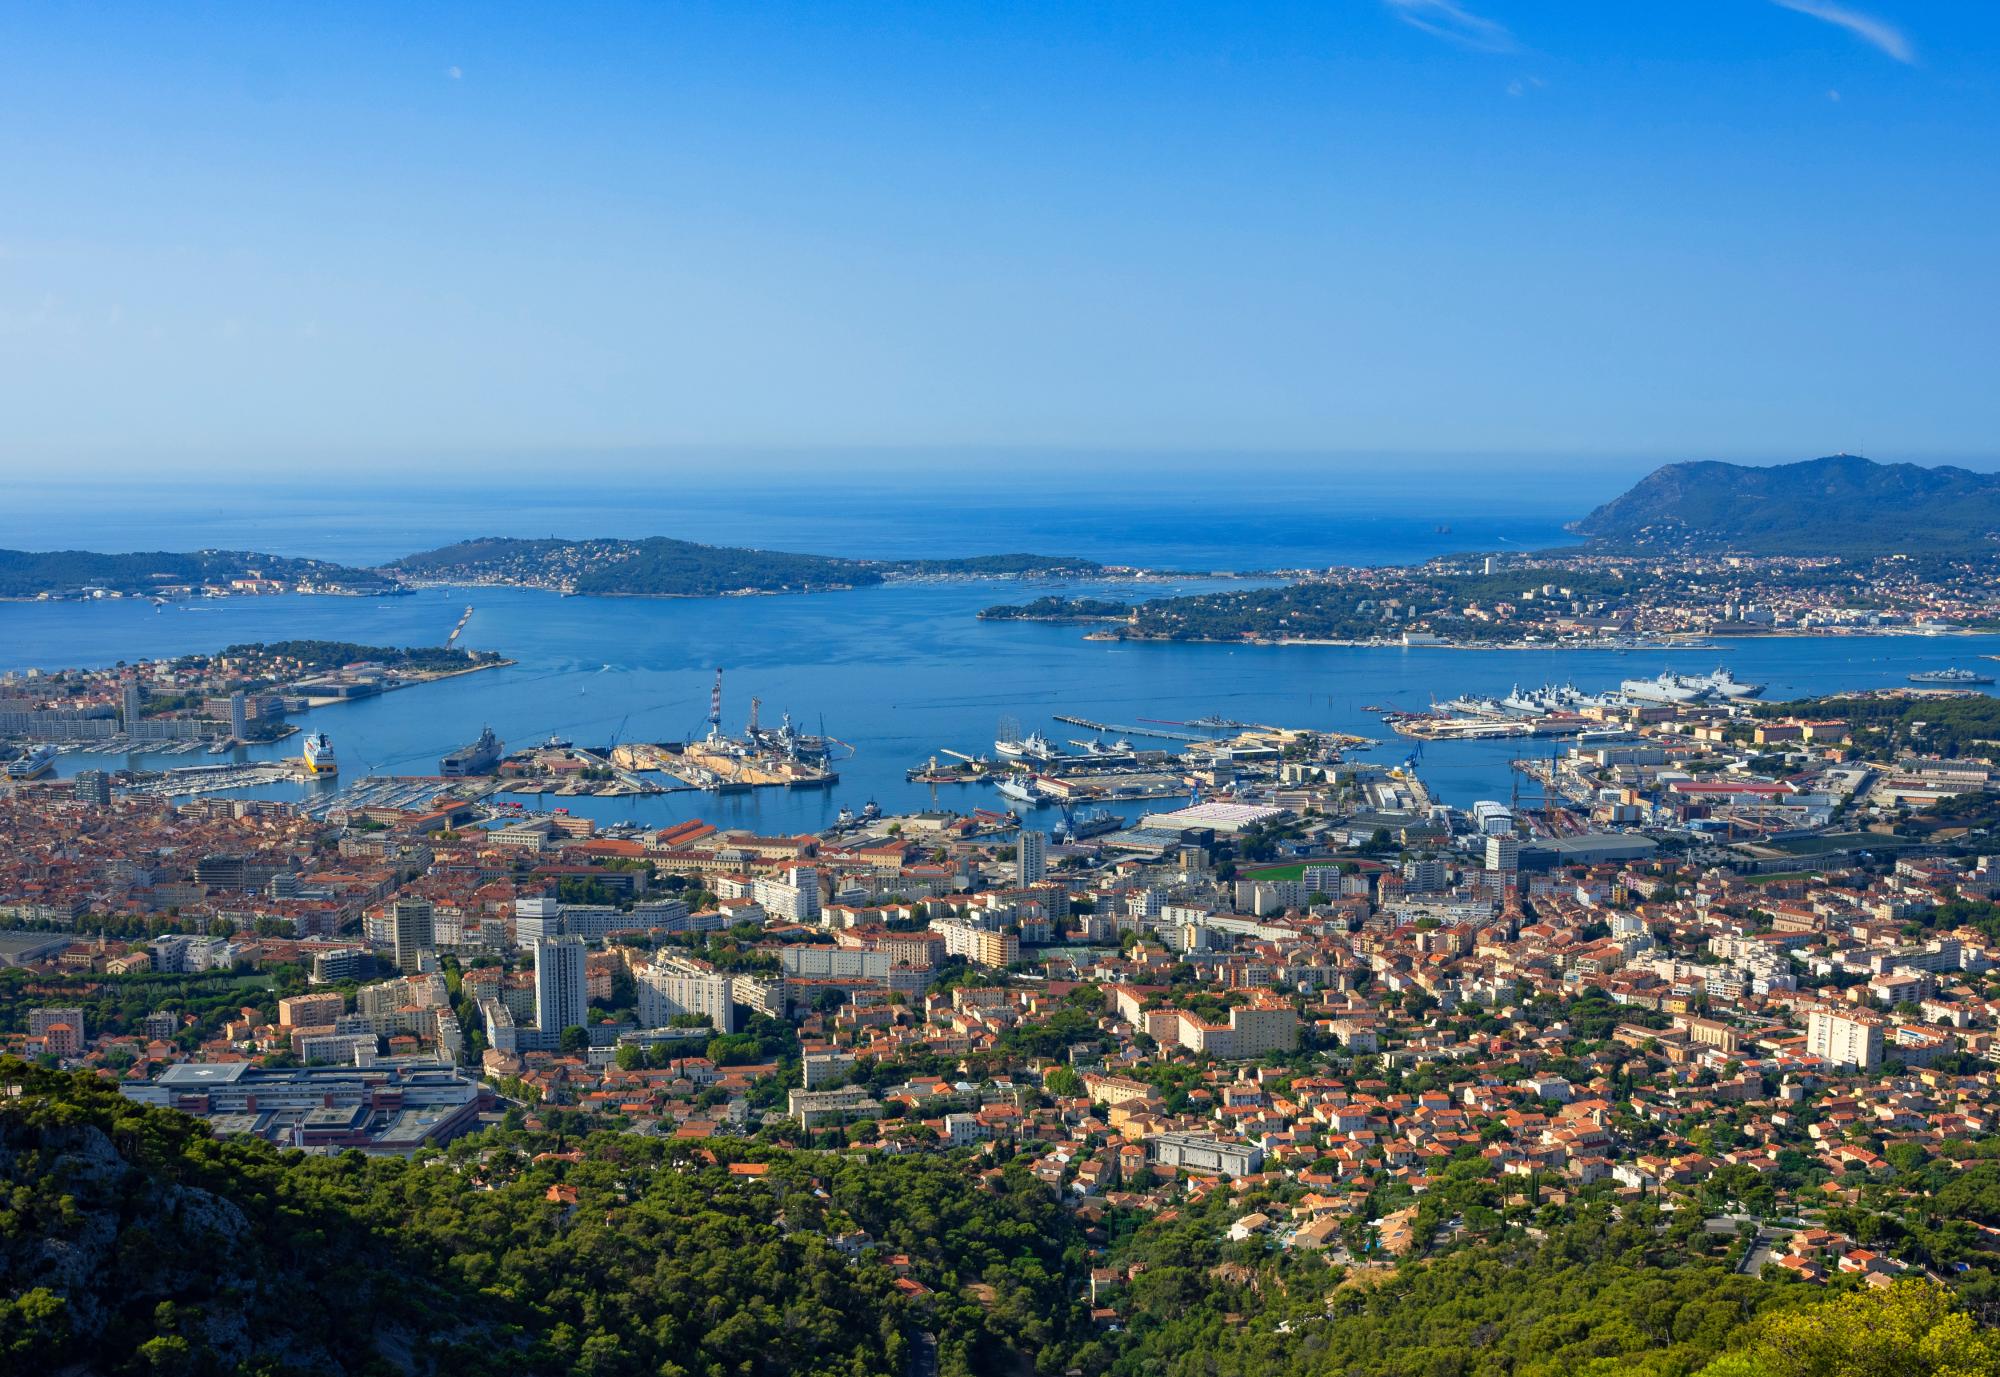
1551,805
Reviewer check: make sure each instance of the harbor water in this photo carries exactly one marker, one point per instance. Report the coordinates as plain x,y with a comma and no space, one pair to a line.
896,672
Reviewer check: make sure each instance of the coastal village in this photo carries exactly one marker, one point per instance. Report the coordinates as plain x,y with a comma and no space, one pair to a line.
1585,598
1732,956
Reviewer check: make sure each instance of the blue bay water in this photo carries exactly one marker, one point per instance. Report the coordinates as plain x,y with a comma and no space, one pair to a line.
1223,513
898,672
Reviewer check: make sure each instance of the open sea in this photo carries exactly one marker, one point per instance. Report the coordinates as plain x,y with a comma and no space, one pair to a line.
897,673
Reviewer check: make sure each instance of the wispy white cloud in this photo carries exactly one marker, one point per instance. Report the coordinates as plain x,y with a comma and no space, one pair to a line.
1454,23
1879,34
455,73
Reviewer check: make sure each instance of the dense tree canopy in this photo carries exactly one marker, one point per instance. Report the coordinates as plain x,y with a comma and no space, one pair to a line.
132,1241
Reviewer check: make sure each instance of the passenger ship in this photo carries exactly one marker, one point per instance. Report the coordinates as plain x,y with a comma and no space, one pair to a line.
33,764
319,755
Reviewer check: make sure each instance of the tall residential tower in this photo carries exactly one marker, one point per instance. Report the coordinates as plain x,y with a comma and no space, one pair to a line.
562,998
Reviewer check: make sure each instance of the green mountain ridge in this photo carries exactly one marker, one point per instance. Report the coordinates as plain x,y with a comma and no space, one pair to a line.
660,566
657,566
29,573
1841,505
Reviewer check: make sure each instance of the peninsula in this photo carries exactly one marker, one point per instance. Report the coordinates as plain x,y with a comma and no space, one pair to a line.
1826,547
84,573
658,566
662,567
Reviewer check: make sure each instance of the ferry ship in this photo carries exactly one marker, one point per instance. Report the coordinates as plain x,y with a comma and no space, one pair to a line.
34,764
1950,678
479,758
319,755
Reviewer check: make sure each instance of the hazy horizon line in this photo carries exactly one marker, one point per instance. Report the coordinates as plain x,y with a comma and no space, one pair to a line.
225,465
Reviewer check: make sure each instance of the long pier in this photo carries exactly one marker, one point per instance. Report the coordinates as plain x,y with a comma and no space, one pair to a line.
1121,730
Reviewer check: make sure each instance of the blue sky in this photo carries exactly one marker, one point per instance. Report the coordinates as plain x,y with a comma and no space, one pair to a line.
1755,229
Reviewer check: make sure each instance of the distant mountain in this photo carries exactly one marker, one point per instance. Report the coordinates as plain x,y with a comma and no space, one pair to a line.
1843,504
662,567
33,573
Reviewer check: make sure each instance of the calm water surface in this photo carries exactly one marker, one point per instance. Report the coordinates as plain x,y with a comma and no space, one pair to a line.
897,672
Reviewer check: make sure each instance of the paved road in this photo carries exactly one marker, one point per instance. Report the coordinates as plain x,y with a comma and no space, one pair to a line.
1763,1247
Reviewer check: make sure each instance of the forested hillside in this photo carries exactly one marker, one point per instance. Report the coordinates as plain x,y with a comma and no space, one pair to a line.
318,657
31,573
133,1242
1839,505
653,567
662,567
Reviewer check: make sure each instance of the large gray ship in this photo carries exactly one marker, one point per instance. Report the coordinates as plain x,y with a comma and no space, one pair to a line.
482,757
